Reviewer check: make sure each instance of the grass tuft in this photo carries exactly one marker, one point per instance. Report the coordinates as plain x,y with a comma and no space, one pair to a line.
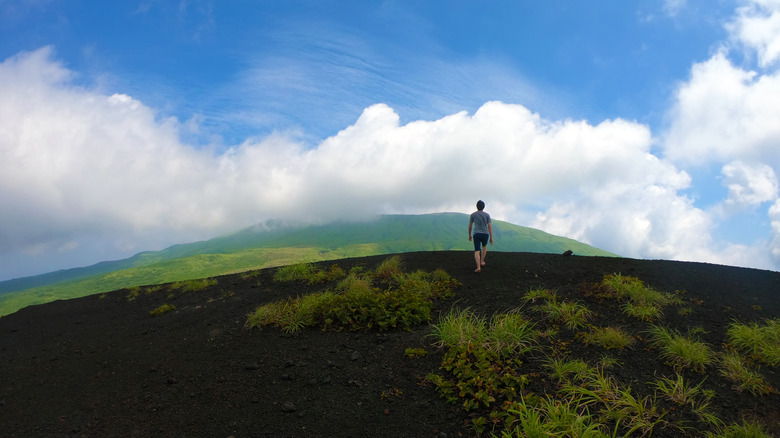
609,338
760,341
163,309
681,351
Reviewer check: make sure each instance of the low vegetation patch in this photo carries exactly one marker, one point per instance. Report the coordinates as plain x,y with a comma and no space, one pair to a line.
760,341
163,309
193,285
639,300
735,368
493,373
681,351
609,338
507,333
306,272
358,301
567,313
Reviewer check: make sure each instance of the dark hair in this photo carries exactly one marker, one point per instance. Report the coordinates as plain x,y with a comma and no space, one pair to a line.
480,205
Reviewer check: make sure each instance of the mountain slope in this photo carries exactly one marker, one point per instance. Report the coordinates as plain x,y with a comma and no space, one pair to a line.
275,244
104,366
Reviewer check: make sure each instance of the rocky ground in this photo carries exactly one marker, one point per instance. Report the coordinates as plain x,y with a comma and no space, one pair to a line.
102,366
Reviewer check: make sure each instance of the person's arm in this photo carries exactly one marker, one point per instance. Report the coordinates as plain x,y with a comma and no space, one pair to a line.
470,230
490,229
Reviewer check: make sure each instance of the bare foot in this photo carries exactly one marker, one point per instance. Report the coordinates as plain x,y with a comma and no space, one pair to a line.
483,263
477,271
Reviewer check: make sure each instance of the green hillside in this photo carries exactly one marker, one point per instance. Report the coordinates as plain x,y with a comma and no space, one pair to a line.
274,244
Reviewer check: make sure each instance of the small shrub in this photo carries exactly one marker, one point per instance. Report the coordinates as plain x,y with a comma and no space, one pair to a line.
476,377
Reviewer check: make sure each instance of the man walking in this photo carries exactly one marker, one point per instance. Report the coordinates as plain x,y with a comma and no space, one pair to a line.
483,231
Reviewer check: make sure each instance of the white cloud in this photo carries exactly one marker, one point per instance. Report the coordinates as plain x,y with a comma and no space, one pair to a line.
76,164
725,113
749,184
757,27
75,161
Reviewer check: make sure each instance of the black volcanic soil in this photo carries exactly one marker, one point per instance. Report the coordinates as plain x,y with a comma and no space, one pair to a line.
102,366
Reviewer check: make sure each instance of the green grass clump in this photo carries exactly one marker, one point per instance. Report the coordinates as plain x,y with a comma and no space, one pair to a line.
748,429
566,370
357,302
389,268
504,334
760,341
298,271
594,389
165,308
639,300
193,285
550,417
681,351
609,338
307,273
571,314
680,391
735,368
412,353
133,292
540,294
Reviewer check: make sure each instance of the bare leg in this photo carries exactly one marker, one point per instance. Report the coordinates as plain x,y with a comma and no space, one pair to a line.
478,259
482,256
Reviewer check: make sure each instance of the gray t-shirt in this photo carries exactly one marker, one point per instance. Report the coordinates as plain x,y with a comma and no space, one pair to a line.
480,219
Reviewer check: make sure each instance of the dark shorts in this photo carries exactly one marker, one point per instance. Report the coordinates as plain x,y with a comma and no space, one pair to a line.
480,239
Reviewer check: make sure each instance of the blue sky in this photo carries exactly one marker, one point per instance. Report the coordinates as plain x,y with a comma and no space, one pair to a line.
646,128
